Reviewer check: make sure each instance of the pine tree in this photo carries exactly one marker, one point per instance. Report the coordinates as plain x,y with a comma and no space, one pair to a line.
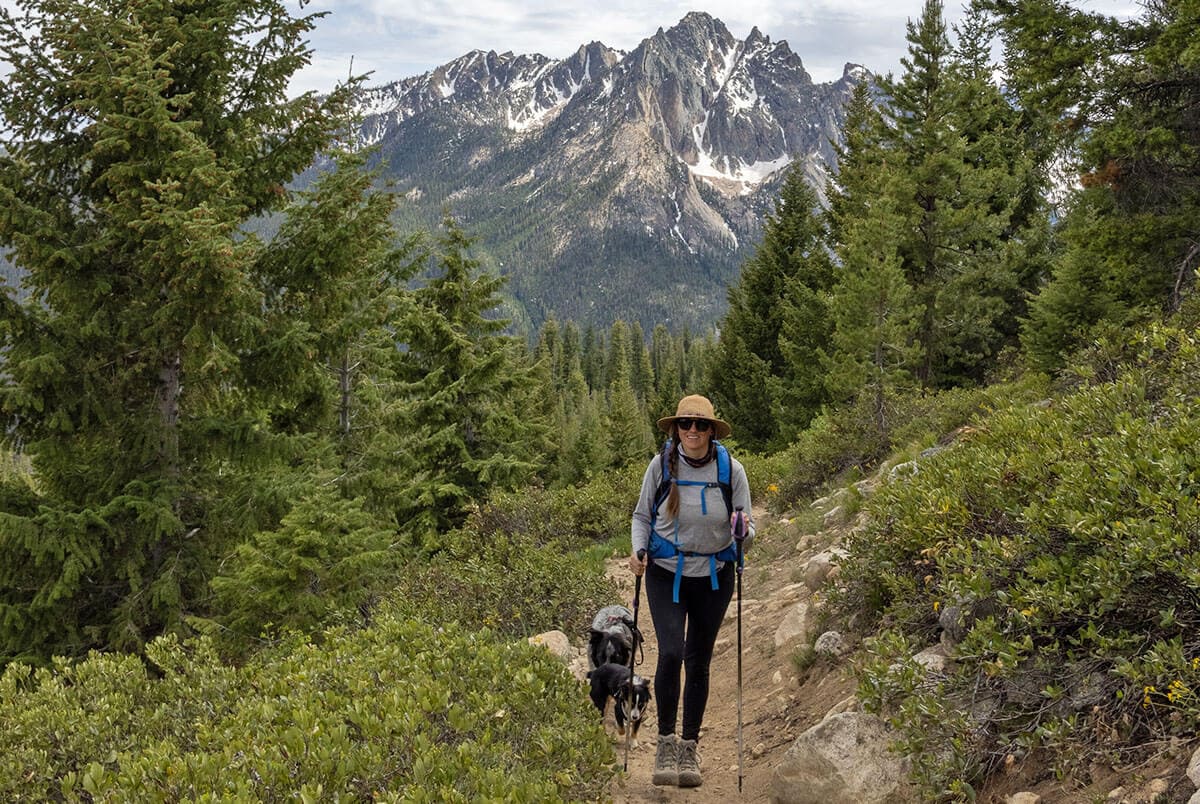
342,277
971,227
1119,97
876,317
139,140
629,437
468,426
751,378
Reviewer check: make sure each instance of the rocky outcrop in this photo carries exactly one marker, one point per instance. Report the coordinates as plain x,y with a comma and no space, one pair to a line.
844,759
634,174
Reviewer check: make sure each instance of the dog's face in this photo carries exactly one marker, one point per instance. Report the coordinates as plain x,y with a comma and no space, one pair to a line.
633,697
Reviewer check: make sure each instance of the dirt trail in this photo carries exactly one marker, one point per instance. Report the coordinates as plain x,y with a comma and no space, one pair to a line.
776,708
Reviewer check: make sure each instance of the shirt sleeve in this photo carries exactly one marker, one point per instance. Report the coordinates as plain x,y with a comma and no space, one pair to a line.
741,497
640,525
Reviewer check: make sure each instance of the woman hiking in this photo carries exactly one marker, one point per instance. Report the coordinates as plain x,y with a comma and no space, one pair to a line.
682,521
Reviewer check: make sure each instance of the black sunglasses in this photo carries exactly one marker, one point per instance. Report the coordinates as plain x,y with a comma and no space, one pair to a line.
701,425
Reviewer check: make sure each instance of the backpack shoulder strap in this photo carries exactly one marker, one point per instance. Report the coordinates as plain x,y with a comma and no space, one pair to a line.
724,474
664,482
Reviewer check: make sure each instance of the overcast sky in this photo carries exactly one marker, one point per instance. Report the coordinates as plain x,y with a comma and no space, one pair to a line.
397,39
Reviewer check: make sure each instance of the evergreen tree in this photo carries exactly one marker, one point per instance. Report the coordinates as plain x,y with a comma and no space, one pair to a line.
586,445
643,372
139,138
618,366
342,278
1120,97
876,317
629,438
468,426
970,227
751,378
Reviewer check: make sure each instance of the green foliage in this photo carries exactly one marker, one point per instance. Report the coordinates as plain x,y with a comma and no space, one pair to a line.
1060,542
763,372
135,361
516,567
845,440
504,582
328,555
1116,98
401,711
471,422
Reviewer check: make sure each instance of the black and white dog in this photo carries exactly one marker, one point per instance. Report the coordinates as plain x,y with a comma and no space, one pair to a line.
629,692
611,639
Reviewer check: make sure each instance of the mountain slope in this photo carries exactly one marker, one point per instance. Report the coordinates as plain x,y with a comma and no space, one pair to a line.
611,184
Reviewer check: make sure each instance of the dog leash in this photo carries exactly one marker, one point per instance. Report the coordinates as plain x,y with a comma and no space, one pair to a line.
637,643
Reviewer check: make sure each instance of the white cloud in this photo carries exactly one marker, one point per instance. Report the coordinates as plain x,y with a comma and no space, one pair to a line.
400,38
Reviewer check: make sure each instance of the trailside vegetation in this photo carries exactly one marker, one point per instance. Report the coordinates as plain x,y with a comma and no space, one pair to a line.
144,373
1059,548
278,513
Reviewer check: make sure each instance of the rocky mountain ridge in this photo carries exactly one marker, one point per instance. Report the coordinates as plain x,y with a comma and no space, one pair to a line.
610,184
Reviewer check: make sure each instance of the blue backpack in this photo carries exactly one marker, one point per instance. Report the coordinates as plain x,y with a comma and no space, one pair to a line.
662,547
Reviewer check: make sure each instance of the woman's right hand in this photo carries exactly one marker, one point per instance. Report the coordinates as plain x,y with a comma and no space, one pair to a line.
637,565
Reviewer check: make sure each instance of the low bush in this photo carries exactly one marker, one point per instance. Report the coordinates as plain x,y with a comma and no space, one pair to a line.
401,711
1059,548
510,582
575,517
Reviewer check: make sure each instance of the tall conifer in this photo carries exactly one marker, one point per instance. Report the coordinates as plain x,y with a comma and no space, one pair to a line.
138,140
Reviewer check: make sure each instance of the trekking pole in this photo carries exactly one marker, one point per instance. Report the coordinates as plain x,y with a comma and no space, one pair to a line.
637,593
739,535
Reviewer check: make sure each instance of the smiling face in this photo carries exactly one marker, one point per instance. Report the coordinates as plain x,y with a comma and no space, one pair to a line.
693,436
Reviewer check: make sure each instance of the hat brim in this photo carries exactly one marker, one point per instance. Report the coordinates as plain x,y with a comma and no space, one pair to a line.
720,429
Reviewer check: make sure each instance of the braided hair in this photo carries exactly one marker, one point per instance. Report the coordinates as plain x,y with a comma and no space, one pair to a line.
673,466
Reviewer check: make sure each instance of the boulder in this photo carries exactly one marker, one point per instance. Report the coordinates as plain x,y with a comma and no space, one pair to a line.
844,759
1193,768
556,642
796,624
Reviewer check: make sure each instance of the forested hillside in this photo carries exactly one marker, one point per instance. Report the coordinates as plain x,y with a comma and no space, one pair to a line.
289,504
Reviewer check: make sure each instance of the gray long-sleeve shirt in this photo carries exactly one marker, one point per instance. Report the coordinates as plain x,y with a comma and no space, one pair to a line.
697,531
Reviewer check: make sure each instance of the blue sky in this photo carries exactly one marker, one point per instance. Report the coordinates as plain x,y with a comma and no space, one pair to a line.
397,39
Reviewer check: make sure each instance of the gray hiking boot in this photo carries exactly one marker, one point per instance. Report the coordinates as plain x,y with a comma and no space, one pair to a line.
689,764
666,760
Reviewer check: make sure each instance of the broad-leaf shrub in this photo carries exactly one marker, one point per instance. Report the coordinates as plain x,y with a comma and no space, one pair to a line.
508,582
398,712
1060,545
845,439
575,516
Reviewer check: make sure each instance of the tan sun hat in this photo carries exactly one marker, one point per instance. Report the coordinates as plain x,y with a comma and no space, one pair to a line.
695,407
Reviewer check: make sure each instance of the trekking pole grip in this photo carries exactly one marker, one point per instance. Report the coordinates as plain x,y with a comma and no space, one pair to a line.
739,524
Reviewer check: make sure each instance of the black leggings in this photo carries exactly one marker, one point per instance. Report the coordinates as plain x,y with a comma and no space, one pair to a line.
701,609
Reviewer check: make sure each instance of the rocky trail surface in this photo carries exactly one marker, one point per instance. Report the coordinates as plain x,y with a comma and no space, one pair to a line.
776,707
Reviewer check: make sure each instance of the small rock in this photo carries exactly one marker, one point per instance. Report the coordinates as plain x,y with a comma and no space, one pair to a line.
758,750
1023,798
1116,794
1193,769
830,643
777,679
1156,788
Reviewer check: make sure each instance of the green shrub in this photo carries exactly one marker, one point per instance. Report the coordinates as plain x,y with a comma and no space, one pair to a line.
508,582
1064,543
328,555
398,712
575,517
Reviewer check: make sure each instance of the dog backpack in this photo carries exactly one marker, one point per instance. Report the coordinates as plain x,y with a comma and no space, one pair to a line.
662,547
614,620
